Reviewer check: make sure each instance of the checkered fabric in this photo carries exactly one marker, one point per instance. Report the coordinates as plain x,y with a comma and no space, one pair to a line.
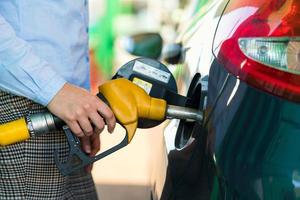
27,169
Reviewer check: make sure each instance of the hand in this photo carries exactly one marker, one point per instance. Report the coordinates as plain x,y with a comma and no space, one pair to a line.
79,110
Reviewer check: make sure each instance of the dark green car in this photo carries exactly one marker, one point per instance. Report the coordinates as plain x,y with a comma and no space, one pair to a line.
248,146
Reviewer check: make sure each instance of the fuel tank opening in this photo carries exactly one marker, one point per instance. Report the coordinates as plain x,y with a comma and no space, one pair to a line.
196,96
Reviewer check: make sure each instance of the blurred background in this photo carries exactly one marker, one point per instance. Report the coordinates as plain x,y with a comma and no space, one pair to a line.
137,171
111,21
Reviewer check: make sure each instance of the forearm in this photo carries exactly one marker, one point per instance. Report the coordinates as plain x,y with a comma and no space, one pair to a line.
22,72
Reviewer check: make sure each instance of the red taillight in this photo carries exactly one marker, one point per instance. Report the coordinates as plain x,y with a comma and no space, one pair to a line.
264,51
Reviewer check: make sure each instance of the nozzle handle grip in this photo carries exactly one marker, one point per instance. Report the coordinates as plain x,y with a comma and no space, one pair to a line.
130,103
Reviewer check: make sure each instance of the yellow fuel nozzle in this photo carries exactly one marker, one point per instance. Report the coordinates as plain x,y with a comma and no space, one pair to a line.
129,103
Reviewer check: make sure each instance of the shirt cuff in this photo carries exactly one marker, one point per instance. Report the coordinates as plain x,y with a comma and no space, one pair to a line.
54,84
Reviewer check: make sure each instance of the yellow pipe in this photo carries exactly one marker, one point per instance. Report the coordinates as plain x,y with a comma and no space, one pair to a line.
13,132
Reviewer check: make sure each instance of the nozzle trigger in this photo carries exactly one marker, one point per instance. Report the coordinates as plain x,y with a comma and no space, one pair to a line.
77,159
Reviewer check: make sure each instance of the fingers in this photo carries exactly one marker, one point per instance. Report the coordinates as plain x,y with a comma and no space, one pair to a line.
84,125
76,129
108,115
96,113
86,144
91,123
95,144
81,110
91,146
98,122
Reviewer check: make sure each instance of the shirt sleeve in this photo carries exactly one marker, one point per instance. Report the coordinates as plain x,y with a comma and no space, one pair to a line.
22,72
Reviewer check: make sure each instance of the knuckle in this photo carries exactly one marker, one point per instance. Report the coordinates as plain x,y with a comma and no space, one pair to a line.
79,112
70,117
79,133
110,115
88,131
87,106
87,134
101,127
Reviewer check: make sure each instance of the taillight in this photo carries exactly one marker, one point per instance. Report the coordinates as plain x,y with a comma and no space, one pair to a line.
278,53
264,49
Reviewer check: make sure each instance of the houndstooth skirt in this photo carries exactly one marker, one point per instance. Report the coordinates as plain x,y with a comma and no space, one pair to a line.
27,169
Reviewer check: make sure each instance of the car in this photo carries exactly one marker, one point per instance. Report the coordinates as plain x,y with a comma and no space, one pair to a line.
239,62
247,147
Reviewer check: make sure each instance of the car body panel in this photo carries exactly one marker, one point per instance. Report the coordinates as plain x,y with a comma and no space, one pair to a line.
253,135
255,140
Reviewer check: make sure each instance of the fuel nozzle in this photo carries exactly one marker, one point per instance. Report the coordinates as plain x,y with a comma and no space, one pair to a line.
129,103
179,112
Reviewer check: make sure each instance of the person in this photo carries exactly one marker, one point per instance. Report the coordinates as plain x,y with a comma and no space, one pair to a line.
44,63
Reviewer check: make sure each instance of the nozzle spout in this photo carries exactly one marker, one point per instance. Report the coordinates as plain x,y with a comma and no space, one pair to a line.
178,112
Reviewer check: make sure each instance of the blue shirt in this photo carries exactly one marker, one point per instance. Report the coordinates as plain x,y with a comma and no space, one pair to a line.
43,45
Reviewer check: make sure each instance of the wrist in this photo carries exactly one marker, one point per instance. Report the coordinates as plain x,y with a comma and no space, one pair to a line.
48,92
